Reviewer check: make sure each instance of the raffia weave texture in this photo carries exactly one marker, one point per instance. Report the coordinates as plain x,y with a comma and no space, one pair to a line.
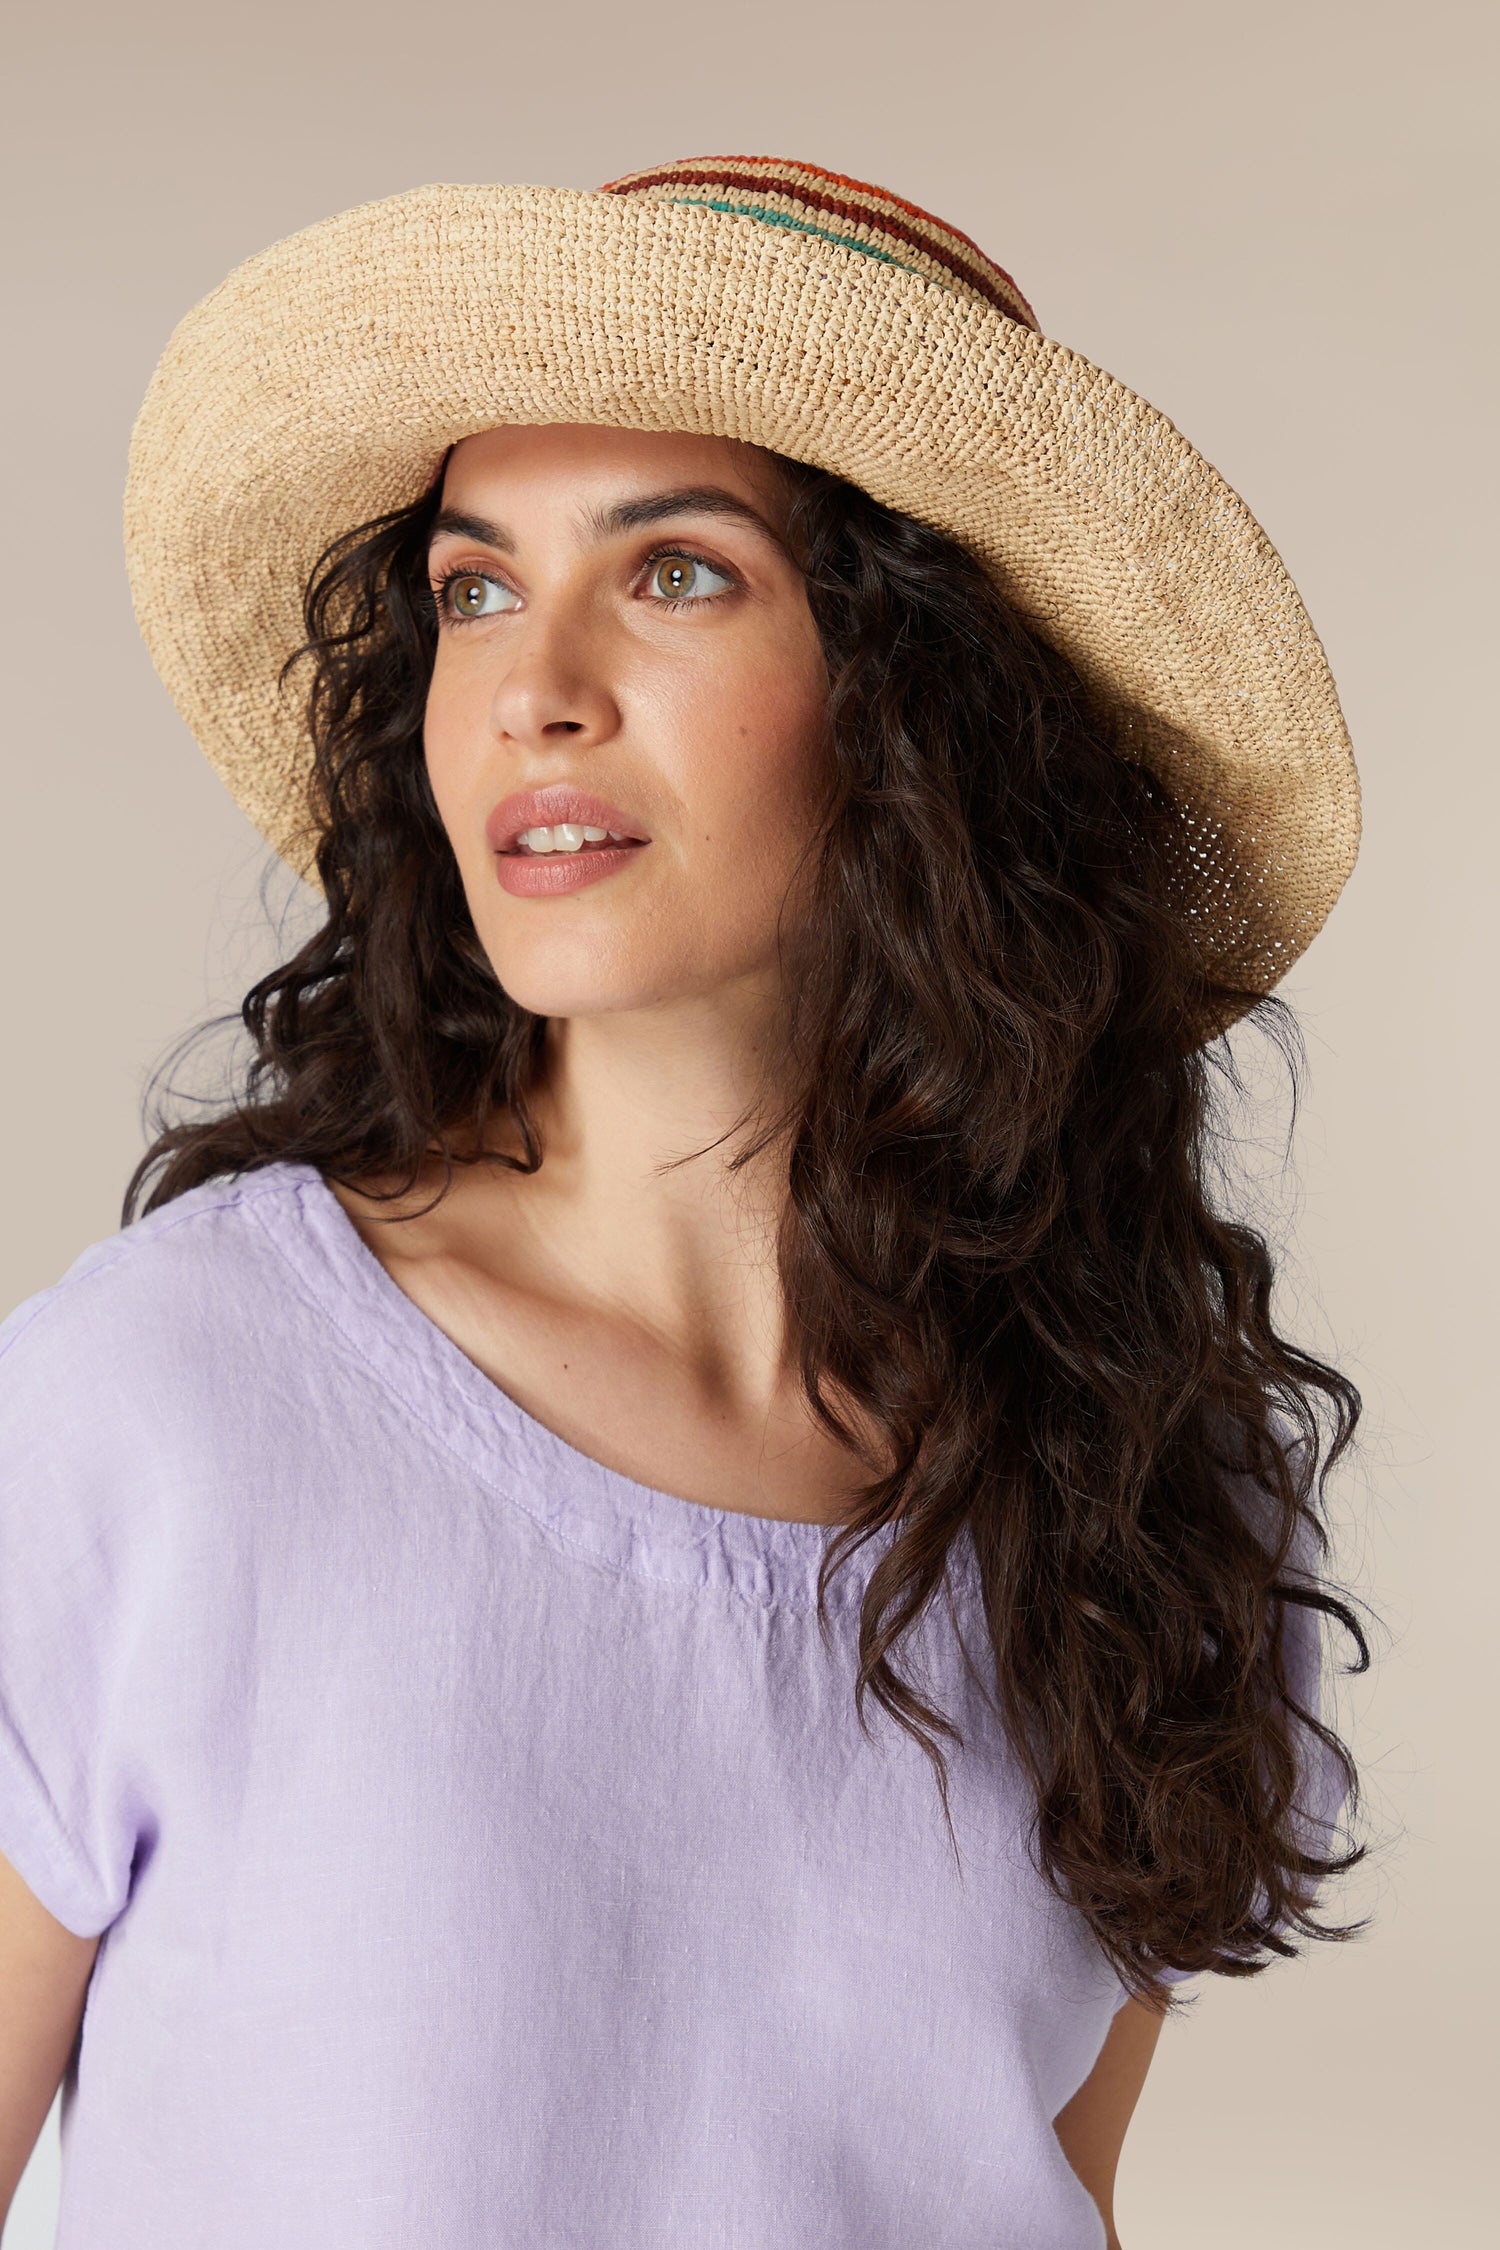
321,383
846,212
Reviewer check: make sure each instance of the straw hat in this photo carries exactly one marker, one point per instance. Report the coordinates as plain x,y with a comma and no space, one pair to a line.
744,297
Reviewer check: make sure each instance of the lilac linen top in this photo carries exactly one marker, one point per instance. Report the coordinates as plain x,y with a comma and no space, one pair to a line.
484,1847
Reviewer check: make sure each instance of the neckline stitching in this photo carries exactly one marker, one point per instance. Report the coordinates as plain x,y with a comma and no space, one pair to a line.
781,1597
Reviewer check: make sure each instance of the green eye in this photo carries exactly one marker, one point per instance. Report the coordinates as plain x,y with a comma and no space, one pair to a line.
472,595
678,578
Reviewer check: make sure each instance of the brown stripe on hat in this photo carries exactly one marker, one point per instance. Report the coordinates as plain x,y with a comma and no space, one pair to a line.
860,217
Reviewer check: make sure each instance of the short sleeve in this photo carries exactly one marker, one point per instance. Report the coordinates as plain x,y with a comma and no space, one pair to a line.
74,1569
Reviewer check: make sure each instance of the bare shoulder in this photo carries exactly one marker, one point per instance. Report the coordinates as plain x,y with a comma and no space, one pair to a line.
452,1244
435,1203
407,1221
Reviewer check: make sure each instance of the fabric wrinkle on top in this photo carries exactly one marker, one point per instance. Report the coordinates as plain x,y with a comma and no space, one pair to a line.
484,1845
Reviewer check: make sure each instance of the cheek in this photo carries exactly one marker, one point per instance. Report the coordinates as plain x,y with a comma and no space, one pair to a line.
754,754
453,744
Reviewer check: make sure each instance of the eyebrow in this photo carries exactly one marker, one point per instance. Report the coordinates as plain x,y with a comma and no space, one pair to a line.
625,515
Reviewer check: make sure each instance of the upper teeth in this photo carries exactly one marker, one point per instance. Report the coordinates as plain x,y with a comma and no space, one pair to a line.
566,836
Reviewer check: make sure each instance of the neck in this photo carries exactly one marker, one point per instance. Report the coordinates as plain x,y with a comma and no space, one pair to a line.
640,1114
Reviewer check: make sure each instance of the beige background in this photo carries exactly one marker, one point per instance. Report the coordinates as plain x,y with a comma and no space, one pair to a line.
1276,223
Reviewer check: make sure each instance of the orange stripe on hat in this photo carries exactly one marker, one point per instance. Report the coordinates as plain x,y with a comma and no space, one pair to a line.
850,213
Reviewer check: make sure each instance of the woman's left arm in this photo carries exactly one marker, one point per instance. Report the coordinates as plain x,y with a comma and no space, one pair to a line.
1091,2127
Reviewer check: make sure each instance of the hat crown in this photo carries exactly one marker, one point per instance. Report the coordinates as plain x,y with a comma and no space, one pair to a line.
781,192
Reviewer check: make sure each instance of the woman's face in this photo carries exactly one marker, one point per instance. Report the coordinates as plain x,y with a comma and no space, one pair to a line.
624,645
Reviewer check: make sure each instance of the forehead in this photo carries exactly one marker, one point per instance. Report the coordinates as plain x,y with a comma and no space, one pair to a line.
576,461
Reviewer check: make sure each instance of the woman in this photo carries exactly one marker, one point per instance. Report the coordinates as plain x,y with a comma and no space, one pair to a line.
665,1585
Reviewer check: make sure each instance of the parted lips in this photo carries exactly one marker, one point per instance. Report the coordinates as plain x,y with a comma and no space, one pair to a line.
322,382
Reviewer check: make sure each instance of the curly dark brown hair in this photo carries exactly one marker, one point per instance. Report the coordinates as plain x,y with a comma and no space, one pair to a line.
999,1239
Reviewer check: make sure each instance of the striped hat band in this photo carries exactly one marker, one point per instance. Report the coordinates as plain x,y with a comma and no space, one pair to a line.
850,213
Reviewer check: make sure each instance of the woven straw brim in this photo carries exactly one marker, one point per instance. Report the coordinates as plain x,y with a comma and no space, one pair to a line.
320,384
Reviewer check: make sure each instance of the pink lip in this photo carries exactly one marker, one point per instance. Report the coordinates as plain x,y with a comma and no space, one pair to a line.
544,808
546,874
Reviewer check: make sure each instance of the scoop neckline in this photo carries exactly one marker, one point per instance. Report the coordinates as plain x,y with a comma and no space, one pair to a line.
580,1502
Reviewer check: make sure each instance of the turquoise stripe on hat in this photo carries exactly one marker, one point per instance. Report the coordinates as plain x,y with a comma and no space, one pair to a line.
800,226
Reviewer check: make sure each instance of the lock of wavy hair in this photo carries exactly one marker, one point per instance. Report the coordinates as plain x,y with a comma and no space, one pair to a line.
1000,1241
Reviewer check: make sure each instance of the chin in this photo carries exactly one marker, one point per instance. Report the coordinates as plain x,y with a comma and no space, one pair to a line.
559,988
572,1003
549,989
560,973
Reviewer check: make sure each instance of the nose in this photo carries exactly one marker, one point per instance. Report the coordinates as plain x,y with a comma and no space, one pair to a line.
553,691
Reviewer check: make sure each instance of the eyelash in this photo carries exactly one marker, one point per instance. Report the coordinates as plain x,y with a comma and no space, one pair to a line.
438,594
688,554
